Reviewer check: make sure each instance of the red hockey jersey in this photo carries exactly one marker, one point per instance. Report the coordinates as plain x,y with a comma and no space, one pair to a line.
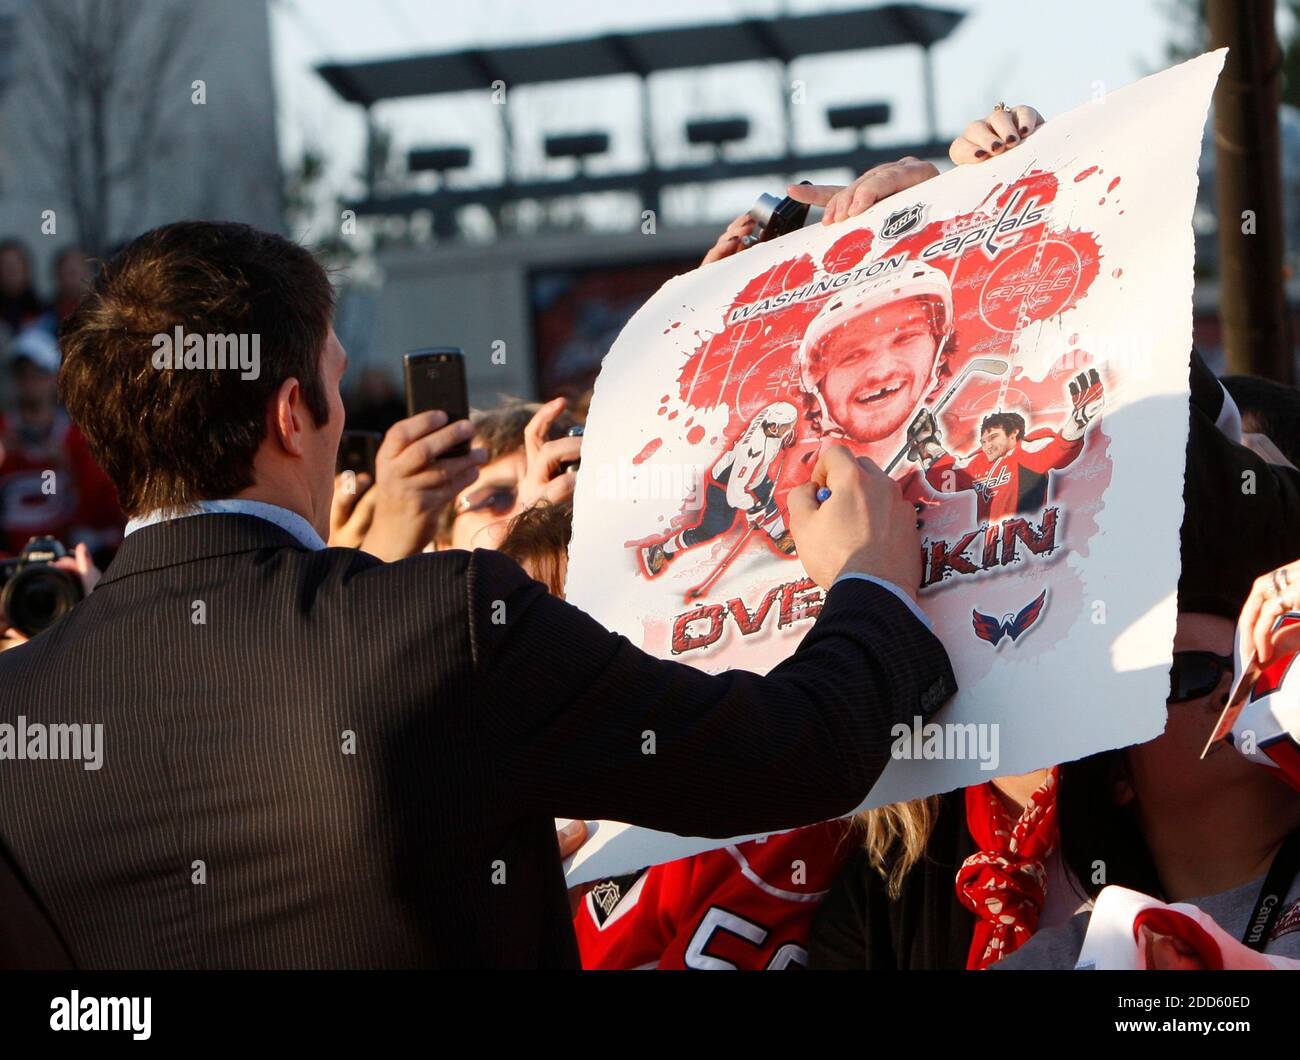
55,489
1015,482
744,907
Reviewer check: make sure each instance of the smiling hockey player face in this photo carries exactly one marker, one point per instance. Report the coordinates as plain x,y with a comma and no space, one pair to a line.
878,366
996,443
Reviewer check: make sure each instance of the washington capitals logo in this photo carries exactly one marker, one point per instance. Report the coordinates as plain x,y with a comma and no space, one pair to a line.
987,486
990,629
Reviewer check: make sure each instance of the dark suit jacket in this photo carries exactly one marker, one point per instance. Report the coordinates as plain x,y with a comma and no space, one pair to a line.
353,764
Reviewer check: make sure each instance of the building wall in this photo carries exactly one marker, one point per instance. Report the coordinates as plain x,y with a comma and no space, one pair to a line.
475,296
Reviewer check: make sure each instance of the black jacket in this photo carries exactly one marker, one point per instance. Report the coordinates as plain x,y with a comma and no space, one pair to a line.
353,764
858,925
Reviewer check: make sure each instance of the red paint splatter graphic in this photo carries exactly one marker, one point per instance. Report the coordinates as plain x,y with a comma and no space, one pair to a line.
1086,174
847,251
650,449
1112,185
694,435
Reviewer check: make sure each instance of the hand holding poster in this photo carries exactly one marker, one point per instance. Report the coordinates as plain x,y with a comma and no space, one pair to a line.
1011,341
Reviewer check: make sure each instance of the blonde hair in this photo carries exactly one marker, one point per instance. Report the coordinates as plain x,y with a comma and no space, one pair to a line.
895,837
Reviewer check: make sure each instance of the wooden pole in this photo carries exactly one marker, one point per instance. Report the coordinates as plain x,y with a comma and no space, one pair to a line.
1252,303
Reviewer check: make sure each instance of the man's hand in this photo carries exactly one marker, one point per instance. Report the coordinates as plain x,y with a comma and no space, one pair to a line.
1087,398
864,527
731,240
414,481
571,837
875,184
543,480
997,133
352,509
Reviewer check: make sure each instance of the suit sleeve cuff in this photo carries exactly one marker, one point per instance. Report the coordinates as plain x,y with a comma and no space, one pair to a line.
911,604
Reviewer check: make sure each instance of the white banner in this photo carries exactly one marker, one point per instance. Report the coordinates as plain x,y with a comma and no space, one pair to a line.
1038,307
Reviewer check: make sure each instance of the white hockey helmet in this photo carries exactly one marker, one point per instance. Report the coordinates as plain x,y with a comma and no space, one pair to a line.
779,414
914,280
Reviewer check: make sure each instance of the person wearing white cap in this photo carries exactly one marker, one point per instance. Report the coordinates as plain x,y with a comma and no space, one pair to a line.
49,483
874,351
37,345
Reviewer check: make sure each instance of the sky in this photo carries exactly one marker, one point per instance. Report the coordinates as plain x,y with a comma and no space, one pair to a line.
1053,54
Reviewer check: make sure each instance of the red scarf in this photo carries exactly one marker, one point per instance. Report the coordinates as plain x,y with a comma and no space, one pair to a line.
1004,883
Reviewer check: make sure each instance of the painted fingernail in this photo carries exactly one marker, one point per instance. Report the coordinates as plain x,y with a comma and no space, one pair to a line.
997,145
1012,139
981,153
1024,130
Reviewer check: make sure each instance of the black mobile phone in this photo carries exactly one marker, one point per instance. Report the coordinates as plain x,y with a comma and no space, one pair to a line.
435,379
357,452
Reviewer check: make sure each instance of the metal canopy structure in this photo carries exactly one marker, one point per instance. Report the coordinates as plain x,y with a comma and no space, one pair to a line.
642,53
777,41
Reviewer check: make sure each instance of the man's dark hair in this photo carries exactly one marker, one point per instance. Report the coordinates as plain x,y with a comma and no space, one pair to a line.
171,436
1268,407
1007,421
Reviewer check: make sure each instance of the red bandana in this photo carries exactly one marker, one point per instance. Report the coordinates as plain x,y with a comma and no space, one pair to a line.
1004,883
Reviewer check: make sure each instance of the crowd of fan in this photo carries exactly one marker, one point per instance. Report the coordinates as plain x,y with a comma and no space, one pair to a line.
998,875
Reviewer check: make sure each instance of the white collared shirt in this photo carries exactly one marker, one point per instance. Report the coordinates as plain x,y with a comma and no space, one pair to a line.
290,522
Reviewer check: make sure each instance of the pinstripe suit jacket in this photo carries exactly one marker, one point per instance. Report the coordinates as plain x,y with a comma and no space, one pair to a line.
316,760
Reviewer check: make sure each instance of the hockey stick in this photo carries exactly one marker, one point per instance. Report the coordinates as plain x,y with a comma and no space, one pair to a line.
986,365
696,591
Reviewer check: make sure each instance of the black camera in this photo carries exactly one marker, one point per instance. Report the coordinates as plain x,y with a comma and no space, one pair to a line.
572,465
775,217
35,593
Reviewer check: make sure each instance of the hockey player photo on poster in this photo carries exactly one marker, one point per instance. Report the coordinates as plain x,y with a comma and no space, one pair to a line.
1005,340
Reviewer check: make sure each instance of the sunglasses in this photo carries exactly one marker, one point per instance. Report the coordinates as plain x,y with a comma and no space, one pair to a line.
1196,674
499,500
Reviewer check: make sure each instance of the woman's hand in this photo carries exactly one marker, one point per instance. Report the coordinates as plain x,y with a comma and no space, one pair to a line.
999,132
543,479
1273,595
731,240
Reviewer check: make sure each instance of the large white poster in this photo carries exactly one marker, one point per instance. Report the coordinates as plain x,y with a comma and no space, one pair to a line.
1029,319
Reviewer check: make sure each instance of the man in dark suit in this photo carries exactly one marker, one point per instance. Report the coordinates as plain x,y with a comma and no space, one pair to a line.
315,759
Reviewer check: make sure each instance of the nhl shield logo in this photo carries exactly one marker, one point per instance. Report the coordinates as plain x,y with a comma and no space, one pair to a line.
900,222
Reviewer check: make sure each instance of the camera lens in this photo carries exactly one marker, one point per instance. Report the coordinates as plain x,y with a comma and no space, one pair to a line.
762,209
37,597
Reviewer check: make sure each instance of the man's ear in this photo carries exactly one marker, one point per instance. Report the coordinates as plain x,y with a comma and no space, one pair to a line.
288,417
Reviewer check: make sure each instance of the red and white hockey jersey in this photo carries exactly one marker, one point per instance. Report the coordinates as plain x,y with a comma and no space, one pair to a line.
743,907
1015,482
